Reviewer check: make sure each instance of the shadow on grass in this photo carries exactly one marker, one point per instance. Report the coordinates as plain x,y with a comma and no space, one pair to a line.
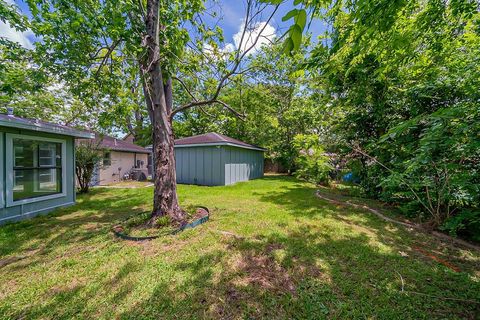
306,274
92,216
299,200
304,271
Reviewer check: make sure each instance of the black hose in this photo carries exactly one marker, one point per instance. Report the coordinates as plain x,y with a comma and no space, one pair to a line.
190,225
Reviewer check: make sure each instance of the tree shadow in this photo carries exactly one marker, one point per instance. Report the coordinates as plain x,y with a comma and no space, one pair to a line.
91,217
309,275
304,269
71,300
300,201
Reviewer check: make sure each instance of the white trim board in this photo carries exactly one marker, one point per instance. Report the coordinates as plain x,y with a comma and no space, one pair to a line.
9,169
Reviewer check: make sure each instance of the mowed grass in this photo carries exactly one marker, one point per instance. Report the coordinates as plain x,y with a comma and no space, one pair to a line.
271,250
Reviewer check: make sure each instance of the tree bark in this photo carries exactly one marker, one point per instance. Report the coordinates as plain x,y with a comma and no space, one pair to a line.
165,201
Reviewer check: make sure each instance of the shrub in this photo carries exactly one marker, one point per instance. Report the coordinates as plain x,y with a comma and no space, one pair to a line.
87,156
311,162
438,173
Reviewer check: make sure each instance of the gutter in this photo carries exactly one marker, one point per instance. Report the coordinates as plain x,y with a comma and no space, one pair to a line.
46,128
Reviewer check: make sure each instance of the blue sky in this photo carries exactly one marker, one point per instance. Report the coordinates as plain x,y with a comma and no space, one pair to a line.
231,11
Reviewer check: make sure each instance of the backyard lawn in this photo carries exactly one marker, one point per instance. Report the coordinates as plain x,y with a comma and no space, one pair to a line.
271,250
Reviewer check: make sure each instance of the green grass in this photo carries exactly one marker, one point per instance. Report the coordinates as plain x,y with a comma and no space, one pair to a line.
271,250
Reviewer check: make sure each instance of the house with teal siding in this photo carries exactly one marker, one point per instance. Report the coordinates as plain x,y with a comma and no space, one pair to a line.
37,166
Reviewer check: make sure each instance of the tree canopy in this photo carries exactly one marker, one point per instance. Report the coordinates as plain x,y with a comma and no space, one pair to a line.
388,92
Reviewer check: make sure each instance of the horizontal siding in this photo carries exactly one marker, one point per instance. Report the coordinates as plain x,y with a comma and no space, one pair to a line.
2,170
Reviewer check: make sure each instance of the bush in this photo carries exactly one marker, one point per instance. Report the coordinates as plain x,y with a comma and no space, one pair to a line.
87,156
466,223
438,173
311,162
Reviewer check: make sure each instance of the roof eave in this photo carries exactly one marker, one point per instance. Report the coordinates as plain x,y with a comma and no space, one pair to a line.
219,144
48,129
128,151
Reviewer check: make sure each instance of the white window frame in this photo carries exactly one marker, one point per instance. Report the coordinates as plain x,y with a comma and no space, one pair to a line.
9,169
2,168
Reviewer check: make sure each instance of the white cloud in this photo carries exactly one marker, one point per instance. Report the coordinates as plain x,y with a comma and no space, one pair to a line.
268,34
263,31
229,47
21,37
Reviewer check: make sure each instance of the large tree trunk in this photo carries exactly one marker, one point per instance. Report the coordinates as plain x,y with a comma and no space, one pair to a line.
160,94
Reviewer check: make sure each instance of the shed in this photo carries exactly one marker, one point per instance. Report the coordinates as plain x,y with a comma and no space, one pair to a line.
37,166
213,159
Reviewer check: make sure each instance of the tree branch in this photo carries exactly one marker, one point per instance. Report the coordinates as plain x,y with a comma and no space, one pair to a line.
240,54
239,115
107,55
185,88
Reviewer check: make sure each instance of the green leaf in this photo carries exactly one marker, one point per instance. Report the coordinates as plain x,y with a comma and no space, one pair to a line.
301,19
296,36
290,15
298,73
288,46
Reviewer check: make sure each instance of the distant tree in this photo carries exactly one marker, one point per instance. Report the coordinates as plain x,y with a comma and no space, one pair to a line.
278,102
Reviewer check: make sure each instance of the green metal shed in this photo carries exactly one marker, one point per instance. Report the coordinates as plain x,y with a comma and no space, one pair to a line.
213,159
37,166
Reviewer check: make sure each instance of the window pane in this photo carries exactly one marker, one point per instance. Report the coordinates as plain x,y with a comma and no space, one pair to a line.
107,159
58,155
33,154
49,180
23,184
47,154
37,168
18,181
32,183
25,153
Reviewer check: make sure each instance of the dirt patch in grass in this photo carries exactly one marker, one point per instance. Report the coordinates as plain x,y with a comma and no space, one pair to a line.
74,285
12,286
261,269
154,248
264,272
12,259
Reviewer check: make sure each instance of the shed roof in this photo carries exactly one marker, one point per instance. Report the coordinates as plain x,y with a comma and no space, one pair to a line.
42,126
114,144
213,138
